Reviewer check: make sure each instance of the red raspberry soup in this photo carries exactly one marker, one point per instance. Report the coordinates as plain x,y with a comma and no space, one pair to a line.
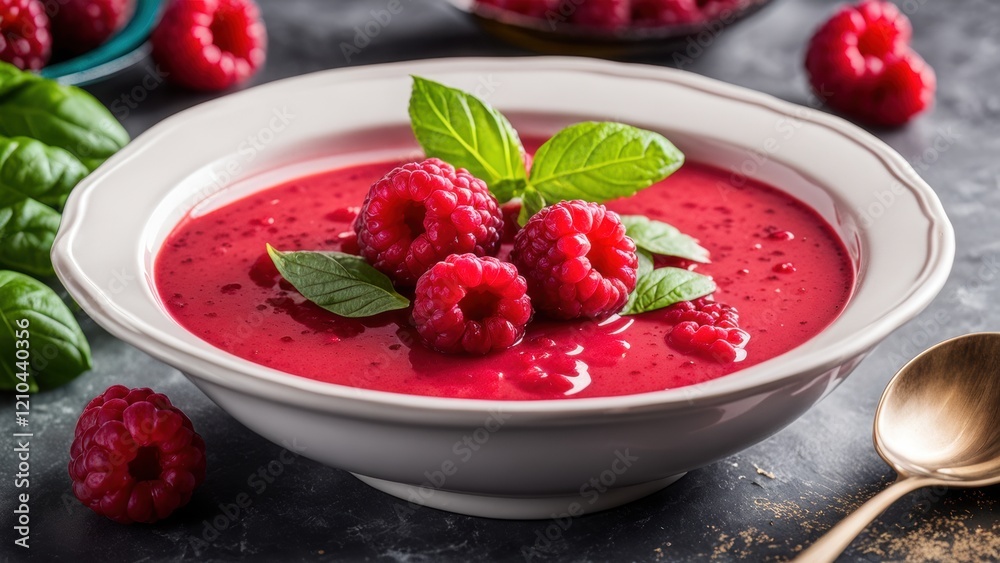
774,259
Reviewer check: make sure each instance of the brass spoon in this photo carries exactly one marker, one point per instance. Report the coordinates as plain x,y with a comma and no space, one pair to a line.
938,424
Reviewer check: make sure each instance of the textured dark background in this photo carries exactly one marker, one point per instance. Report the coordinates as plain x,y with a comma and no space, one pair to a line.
810,475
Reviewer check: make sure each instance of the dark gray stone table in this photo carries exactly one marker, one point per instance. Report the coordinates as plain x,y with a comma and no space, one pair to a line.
764,503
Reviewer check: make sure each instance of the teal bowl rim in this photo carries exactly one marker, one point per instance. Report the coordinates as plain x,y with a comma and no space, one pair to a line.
122,51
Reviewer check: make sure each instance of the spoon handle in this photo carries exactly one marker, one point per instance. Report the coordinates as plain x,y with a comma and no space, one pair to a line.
836,540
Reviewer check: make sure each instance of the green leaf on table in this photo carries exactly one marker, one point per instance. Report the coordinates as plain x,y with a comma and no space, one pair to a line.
466,132
343,284
600,161
27,229
658,237
38,171
58,115
663,287
58,348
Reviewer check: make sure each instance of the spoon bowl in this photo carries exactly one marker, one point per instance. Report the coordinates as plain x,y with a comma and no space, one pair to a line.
940,415
938,423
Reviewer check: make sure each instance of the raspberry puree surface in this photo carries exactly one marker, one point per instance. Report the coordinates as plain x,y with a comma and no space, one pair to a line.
774,259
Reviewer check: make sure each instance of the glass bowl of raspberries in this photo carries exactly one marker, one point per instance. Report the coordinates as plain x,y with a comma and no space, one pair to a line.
76,41
604,27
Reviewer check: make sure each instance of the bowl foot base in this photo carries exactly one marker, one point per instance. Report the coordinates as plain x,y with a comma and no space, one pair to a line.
519,507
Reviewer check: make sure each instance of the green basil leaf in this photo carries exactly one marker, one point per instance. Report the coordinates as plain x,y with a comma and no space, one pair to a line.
599,161
466,132
665,286
59,116
38,171
58,348
646,265
340,283
658,237
13,78
27,229
531,202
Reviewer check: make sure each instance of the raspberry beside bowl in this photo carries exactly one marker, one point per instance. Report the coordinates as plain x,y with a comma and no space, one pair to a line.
505,459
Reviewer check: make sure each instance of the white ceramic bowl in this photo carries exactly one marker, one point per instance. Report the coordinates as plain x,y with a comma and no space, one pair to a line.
501,459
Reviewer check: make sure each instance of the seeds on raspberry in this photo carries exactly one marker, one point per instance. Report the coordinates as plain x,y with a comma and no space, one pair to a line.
905,89
210,45
706,335
547,367
706,328
577,260
886,29
25,38
682,334
722,351
421,212
471,304
135,457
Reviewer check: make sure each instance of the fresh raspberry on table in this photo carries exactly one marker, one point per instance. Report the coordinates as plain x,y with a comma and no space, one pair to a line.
80,25
604,14
210,44
577,260
135,457
471,304
706,328
25,38
419,213
860,63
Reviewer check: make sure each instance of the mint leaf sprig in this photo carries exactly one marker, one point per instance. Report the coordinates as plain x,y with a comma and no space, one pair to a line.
593,161
600,161
466,132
